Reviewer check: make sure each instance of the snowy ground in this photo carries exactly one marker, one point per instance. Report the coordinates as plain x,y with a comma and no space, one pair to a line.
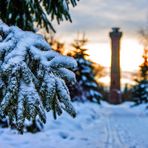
107,126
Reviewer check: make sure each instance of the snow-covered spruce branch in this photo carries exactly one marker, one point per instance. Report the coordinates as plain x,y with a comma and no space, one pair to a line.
32,77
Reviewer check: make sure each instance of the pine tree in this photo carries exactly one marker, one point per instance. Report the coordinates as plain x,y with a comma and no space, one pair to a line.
32,77
26,13
140,90
34,14
88,87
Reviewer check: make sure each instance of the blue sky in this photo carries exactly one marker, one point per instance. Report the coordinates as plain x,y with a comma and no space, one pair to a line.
96,17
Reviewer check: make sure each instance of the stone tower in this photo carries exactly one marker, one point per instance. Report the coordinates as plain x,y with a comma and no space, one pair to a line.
115,94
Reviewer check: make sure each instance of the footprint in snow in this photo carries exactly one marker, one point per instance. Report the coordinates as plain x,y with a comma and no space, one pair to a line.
63,135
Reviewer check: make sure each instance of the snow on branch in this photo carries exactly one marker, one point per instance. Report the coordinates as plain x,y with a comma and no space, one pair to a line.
32,77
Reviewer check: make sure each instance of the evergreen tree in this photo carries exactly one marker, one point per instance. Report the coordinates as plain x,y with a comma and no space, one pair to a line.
88,87
32,77
140,90
32,14
26,13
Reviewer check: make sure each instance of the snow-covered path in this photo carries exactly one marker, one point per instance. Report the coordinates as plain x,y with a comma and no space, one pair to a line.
107,126
125,127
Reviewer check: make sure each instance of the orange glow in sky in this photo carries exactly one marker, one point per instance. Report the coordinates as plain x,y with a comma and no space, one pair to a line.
130,54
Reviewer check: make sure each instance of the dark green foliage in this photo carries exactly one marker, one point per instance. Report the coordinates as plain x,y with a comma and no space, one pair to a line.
35,126
140,92
25,13
31,15
32,77
3,123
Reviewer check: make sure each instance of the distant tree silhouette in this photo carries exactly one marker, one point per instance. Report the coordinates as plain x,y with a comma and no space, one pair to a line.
144,66
56,44
99,70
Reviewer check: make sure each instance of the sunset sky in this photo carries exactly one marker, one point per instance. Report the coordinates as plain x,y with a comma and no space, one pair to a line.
97,17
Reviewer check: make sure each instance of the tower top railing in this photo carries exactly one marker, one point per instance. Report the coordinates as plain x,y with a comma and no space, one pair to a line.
115,33
115,29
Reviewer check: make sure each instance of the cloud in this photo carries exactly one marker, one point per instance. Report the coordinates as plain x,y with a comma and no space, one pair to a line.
96,17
